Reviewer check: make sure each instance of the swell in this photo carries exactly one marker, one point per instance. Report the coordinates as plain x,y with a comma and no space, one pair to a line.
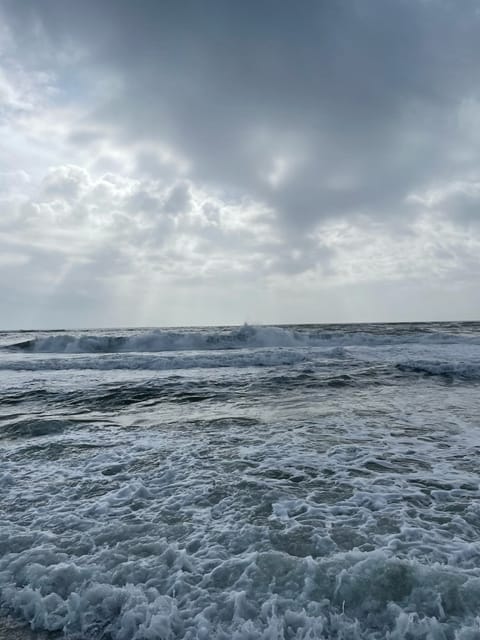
155,362
333,367
32,427
469,371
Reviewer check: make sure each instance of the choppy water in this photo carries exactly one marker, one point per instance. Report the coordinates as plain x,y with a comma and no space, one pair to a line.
273,482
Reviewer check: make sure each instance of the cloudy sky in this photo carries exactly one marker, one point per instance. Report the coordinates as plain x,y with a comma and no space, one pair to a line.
213,162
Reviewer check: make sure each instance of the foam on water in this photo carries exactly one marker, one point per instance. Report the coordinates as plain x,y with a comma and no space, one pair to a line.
282,492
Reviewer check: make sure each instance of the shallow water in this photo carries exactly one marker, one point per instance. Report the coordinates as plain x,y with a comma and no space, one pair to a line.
253,482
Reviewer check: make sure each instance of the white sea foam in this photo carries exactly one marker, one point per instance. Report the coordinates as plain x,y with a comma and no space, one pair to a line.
263,595
190,548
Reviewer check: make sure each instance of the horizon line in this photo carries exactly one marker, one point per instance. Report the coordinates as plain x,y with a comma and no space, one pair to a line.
234,325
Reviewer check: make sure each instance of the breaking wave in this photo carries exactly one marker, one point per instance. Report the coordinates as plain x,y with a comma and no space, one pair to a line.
247,336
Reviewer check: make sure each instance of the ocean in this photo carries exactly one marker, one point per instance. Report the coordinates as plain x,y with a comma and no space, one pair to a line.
254,482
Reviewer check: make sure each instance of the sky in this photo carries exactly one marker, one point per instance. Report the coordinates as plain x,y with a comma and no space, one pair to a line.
218,162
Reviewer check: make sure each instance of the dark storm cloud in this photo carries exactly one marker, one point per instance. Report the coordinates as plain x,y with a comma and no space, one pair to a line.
317,109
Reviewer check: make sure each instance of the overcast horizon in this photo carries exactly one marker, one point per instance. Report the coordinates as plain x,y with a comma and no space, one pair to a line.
215,163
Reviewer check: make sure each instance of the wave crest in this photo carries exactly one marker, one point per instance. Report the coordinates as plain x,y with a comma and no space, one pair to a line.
246,336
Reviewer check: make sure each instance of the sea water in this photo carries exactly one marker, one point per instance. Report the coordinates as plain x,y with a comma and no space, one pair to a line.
242,483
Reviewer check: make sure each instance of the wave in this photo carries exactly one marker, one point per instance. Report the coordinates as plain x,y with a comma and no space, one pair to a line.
247,336
158,362
450,370
32,427
166,340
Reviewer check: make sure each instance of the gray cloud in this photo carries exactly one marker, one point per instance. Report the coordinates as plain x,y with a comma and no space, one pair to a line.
236,139
356,97
213,78
178,199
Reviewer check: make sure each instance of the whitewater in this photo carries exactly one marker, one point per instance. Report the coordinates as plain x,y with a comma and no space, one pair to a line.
253,482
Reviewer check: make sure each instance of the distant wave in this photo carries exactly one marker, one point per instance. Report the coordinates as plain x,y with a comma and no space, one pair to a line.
166,340
247,336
